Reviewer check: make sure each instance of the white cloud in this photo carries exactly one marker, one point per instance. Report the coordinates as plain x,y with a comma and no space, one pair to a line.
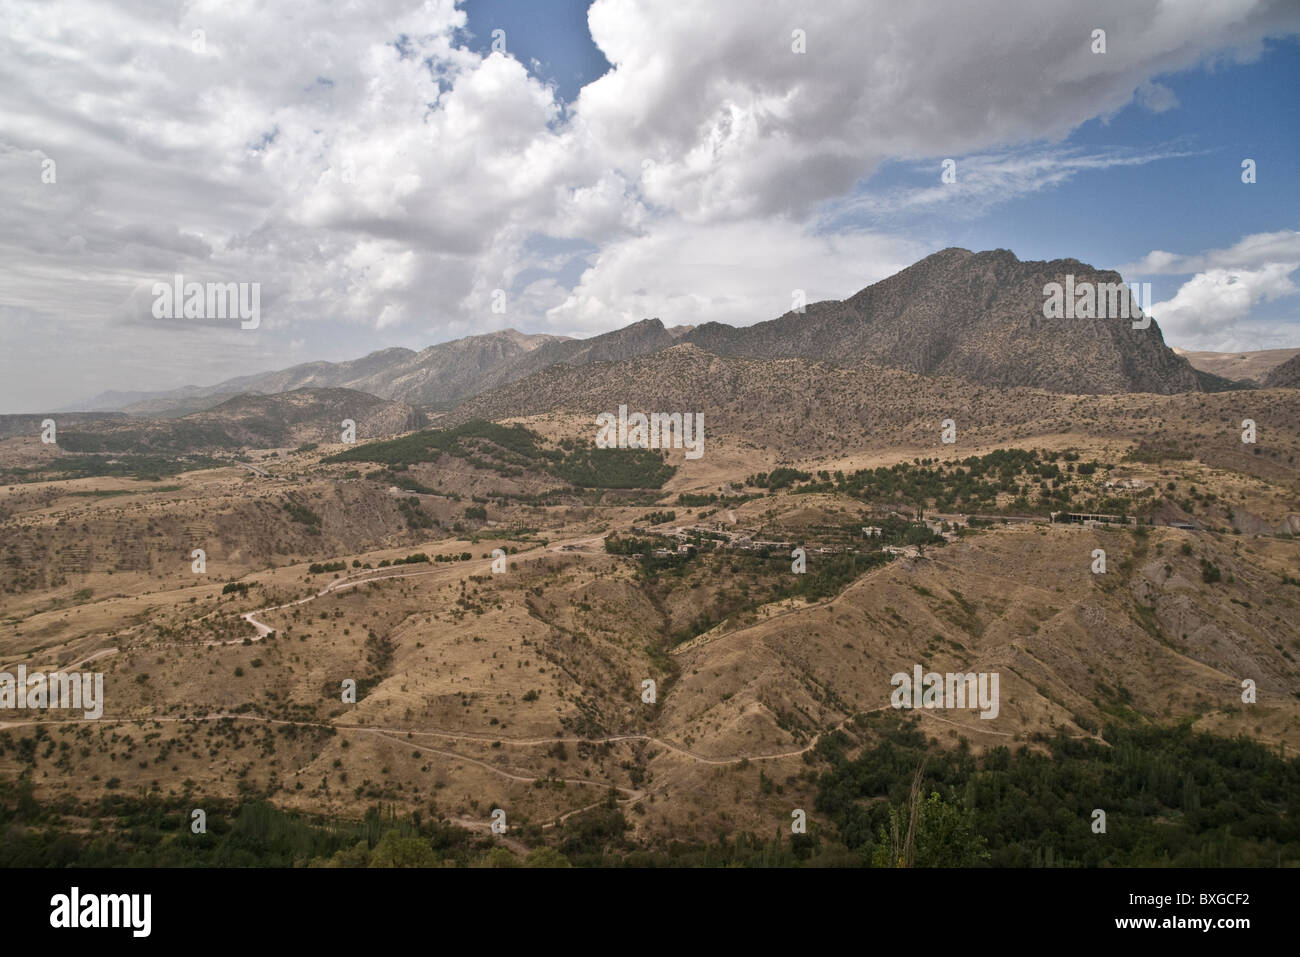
739,125
1250,252
983,180
687,274
1217,307
1156,97
1209,307
372,174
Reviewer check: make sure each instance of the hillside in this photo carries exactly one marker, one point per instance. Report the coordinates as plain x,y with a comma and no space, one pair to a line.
1285,376
974,315
520,690
802,408
1241,366
977,316
30,424
429,377
641,338
248,421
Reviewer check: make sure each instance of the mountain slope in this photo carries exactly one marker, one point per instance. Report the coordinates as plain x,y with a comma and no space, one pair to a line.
1285,376
256,421
639,339
978,316
974,315
1242,366
804,408
432,376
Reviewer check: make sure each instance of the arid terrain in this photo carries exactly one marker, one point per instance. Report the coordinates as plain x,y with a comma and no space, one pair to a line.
516,679
1245,366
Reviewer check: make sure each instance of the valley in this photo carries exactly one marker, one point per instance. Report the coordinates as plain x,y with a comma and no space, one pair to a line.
330,611
372,563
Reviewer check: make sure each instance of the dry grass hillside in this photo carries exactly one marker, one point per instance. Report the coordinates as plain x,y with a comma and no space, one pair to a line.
1244,366
800,407
523,689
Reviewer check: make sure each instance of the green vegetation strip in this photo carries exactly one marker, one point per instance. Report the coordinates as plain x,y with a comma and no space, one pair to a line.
511,451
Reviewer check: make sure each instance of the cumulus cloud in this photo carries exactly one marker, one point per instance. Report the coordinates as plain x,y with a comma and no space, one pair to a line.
381,180
1207,308
687,274
737,125
1215,308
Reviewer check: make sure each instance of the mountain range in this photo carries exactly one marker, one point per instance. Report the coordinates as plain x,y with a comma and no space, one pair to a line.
258,421
976,316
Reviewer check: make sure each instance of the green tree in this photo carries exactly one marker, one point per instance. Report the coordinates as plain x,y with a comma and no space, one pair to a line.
501,857
396,851
946,836
546,857
942,834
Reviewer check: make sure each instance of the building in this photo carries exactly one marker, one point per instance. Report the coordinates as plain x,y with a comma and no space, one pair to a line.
1088,518
906,551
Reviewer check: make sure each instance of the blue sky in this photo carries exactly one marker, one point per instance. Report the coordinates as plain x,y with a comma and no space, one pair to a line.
389,177
551,38
1182,204
1193,199
1182,193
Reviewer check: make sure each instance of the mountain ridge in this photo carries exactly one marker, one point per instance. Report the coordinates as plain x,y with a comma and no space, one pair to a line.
974,315
249,419
914,320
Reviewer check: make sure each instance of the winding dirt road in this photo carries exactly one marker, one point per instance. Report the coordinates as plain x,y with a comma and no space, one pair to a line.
630,796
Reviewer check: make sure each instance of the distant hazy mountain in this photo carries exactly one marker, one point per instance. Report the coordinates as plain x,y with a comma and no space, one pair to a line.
1242,366
30,423
252,421
434,376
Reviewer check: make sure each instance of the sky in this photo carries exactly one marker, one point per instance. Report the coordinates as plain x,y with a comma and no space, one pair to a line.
397,173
